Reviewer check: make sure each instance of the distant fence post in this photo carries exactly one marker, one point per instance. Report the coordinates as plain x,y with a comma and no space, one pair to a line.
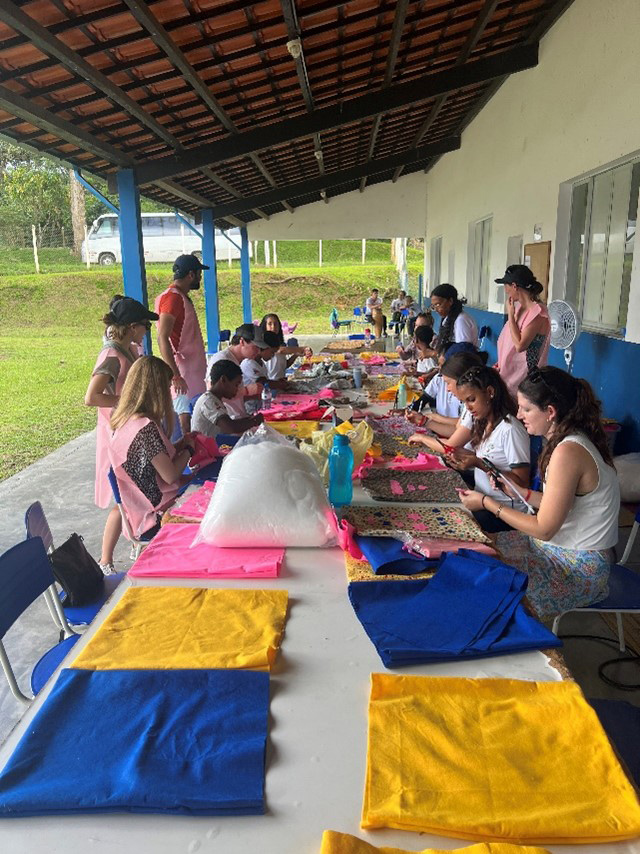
364,250
275,255
34,240
229,258
319,253
86,247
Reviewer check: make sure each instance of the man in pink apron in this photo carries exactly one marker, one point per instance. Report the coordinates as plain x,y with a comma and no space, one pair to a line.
180,339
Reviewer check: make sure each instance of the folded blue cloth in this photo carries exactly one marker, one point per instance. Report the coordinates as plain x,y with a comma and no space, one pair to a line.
170,741
388,557
470,609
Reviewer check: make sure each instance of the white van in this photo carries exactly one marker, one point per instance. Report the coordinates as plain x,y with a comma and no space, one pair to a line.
164,237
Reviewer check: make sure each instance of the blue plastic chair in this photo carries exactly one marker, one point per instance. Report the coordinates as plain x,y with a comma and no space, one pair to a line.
77,615
623,598
336,323
26,574
223,337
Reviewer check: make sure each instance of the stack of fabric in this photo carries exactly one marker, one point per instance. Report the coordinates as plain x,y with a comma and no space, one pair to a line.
343,843
163,711
471,608
493,759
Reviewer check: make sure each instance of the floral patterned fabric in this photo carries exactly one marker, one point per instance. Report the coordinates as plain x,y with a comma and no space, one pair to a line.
559,579
394,485
422,521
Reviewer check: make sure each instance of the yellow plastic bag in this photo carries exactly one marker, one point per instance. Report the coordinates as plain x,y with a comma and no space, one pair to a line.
360,436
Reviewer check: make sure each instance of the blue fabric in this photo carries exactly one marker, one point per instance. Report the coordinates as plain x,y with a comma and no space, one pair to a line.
387,556
470,609
208,472
171,741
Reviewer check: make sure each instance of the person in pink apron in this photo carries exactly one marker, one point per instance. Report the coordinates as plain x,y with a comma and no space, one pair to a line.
523,343
127,323
147,466
180,339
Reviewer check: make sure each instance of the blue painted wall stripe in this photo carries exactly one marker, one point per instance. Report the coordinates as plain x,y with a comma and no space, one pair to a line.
611,366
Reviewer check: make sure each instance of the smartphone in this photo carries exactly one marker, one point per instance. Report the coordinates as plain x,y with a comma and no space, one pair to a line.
498,475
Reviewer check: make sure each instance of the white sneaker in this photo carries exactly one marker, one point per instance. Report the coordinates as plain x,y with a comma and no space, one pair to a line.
107,568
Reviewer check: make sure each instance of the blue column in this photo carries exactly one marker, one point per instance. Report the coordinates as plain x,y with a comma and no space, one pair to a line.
210,278
245,274
133,269
420,291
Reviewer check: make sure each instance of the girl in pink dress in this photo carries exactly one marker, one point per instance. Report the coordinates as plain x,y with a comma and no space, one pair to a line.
127,323
524,341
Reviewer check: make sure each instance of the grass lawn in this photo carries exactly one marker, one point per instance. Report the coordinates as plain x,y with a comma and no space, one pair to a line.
51,330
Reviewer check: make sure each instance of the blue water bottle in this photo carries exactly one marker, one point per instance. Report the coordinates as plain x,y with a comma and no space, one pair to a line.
340,472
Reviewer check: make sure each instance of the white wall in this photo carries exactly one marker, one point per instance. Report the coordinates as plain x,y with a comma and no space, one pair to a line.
383,210
575,112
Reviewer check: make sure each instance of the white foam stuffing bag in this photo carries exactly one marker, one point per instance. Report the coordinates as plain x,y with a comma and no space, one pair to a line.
268,494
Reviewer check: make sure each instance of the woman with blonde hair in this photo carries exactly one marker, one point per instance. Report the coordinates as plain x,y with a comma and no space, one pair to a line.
126,324
147,466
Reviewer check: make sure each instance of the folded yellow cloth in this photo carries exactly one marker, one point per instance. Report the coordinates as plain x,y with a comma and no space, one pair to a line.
389,394
301,429
343,843
491,759
168,628
361,570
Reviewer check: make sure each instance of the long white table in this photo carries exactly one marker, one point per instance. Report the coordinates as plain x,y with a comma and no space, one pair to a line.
317,739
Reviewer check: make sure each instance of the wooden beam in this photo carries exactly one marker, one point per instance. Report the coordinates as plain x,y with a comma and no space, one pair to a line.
41,38
351,111
343,176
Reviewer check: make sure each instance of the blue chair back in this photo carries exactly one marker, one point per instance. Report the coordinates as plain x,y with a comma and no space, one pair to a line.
114,486
25,574
37,526
357,312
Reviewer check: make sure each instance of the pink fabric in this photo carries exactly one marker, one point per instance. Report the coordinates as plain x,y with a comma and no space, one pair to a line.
206,450
190,358
423,462
295,405
196,504
433,548
140,511
396,488
169,555
345,533
512,366
103,494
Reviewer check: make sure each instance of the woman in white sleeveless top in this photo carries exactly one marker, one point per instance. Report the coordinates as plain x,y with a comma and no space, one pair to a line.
566,547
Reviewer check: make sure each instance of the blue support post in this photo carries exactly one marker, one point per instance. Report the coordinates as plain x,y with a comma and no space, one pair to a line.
210,276
420,290
134,273
245,274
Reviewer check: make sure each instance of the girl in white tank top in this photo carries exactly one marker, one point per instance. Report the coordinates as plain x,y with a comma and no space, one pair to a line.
566,546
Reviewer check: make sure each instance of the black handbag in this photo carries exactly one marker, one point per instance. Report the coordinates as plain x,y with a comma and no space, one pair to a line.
77,572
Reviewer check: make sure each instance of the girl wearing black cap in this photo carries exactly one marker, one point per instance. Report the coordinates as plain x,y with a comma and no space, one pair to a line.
524,341
126,325
455,326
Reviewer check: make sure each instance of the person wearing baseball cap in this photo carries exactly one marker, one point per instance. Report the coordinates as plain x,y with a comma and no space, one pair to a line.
524,341
126,325
246,343
180,338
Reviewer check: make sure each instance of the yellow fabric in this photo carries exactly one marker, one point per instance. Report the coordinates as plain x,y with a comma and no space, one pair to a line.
361,570
300,429
489,759
389,394
360,439
168,628
343,843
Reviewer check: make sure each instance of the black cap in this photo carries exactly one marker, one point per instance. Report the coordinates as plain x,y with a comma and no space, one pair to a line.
187,264
128,310
520,275
253,333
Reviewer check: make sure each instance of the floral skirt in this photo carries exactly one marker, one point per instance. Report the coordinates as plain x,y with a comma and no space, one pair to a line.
559,579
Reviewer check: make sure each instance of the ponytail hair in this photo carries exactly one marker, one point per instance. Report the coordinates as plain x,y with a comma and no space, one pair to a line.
502,404
446,291
579,410
279,333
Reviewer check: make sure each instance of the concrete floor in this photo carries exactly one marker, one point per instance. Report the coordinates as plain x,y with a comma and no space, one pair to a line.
64,481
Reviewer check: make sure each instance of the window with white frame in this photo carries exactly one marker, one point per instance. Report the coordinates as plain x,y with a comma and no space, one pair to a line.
435,262
601,238
479,262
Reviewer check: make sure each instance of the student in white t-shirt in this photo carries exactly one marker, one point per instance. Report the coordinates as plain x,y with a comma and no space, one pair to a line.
246,343
488,429
210,416
255,370
286,354
455,325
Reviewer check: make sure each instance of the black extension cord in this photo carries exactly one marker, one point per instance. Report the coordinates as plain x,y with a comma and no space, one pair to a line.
633,657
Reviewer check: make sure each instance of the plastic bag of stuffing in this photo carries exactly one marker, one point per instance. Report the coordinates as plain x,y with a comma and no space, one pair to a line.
268,494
